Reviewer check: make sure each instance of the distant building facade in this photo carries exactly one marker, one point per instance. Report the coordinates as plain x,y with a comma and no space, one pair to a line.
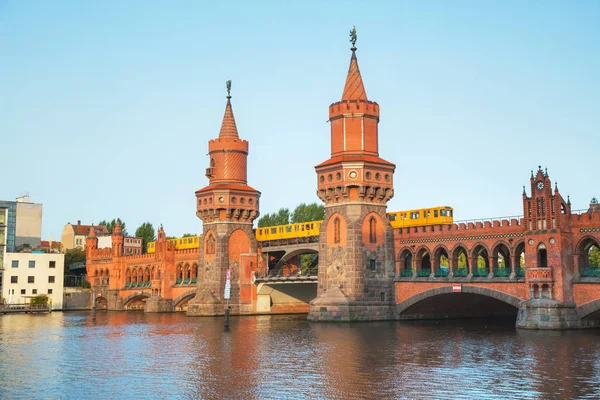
3,219
73,236
31,274
24,223
131,245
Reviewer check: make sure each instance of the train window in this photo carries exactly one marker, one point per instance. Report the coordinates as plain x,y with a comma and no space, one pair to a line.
288,228
450,212
392,217
307,226
415,215
273,230
428,213
435,213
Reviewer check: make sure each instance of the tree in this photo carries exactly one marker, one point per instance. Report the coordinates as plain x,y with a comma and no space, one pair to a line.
281,217
189,234
111,225
22,247
147,233
73,256
594,257
308,212
444,261
39,299
462,260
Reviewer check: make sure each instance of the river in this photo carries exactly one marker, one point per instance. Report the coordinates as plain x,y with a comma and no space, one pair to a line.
170,356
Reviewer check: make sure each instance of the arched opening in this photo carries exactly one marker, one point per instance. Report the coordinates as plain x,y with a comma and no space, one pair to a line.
480,261
194,273
406,261
179,274
542,259
210,243
460,262
187,274
588,258
423,263
372,230
127,277
101,303
441,262
519,259
472,302
336,230
501,261
535,291
147,277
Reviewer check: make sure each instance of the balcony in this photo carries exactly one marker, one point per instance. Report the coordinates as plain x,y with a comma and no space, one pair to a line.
541,275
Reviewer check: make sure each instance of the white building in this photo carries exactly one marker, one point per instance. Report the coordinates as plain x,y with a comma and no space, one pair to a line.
30,274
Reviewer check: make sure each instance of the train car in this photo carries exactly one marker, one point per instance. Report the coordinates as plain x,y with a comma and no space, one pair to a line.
290,231
421,217
190,242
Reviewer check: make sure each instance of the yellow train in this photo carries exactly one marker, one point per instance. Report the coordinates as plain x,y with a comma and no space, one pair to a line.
190,242
290,231
421,217
398,219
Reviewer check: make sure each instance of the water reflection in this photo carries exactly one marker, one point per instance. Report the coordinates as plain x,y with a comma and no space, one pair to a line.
137,355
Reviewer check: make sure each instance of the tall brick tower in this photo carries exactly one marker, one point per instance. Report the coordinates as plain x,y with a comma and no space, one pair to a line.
549,268
356,259
227,207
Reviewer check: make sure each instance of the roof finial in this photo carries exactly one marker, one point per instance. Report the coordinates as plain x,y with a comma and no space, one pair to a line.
228,83
353,38
524,192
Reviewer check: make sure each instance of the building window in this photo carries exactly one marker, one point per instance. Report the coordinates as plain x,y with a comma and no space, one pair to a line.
31,279
34,291
372,265
31,264
336,230
51,279
14,279
372,230
15,263
52,264
49,291
23,291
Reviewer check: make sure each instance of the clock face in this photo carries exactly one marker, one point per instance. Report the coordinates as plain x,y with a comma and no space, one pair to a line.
540,185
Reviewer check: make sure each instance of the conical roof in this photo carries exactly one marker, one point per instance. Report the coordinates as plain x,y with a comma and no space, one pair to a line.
354,88
228,127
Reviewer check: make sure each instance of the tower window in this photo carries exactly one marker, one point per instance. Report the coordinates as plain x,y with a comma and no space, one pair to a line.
372,230
336,230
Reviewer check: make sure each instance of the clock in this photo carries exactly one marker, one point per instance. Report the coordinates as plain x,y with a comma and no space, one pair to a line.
540,185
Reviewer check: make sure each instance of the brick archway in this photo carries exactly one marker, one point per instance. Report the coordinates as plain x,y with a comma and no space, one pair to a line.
133,296
182,297
482,291
587,309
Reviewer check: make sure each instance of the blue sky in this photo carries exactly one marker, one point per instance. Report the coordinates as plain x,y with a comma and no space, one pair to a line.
106,107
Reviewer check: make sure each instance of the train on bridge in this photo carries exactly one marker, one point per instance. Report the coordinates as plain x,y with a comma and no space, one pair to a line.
441,215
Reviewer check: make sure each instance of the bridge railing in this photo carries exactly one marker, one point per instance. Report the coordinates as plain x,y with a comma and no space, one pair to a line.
488,219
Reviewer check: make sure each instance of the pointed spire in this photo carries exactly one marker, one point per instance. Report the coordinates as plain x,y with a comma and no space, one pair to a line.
555,187
354,88
568,200
228,127
531,174
524,192
117,228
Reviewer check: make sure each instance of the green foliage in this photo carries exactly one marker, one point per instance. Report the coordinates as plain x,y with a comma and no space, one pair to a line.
170,237
308,212
147,233
20,248
281,217
481,262
111,225
462,261
39,299
594,257
85,285
444,261
189,234
73,256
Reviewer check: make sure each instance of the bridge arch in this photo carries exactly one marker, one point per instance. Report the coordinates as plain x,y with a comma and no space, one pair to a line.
182,300
135,301
443,302
589,311
288,256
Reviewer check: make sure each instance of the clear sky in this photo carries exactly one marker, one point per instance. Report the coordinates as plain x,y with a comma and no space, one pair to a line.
106,107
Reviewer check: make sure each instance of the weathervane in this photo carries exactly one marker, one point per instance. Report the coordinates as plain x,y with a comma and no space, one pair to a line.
353,38
228,83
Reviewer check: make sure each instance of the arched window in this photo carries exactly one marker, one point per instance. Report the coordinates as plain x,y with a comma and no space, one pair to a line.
372,230
542,256
336,230
210,244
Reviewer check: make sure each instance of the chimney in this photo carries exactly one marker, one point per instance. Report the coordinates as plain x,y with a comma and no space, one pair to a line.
78,222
